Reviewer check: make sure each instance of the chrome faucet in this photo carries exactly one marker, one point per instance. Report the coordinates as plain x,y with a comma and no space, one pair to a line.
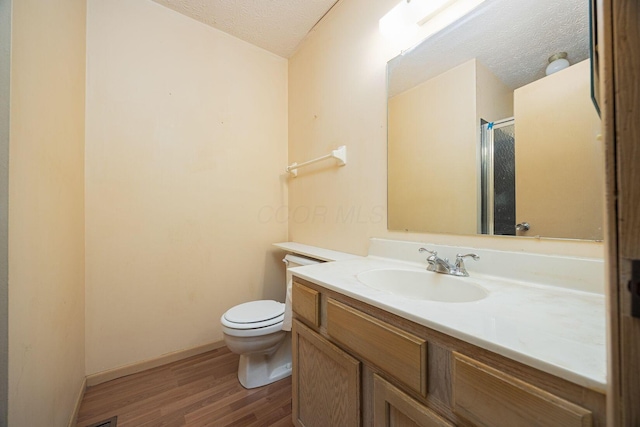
439,265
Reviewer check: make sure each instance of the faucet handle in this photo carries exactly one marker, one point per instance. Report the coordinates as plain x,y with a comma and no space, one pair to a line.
434,253
460,257
459,268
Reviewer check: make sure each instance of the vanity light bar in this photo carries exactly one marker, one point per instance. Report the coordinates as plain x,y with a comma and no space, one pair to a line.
410,14
411,20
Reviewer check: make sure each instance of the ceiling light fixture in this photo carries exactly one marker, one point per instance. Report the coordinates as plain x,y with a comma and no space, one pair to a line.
557,62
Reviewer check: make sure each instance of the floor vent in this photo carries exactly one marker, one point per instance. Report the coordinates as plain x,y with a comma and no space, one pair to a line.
111,422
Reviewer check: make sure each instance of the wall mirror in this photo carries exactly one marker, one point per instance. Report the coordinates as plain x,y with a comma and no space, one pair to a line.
481,140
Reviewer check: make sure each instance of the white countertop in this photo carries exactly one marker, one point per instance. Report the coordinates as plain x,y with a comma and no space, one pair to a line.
559,331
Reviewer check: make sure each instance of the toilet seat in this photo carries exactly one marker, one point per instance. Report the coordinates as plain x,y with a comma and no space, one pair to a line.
254,315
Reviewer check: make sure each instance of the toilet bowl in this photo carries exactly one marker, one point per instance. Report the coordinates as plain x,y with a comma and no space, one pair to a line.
254,331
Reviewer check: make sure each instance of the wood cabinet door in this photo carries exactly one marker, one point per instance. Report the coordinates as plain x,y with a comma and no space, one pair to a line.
326,382
393,408
619,59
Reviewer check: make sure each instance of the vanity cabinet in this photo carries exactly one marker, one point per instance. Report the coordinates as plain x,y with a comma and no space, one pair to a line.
355,364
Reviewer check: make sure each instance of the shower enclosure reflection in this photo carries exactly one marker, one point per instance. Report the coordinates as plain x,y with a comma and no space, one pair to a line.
498,178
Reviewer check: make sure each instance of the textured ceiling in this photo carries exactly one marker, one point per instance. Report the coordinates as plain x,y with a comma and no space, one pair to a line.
513,38
275,25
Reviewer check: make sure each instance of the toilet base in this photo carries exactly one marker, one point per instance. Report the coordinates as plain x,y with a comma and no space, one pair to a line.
257,370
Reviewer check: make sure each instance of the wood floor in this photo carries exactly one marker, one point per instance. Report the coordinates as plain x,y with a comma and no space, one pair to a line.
199,391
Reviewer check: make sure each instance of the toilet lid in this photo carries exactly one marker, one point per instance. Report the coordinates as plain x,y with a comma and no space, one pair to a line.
255,312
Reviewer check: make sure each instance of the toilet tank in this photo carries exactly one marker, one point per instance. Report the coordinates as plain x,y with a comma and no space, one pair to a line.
292,261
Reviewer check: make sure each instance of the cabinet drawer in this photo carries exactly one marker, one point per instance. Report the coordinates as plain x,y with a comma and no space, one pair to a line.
489,397
306,303
393,350
392,407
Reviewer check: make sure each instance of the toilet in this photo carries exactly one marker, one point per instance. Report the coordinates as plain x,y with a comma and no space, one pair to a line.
254,330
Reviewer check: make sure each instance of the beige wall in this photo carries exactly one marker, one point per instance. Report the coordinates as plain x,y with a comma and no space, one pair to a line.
559,160
337,95
185,152
494,99
432,141
46,212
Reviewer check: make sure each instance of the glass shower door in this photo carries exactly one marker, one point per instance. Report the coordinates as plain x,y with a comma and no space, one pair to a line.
498,178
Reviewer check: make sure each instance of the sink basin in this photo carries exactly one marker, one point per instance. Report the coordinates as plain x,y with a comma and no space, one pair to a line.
424,285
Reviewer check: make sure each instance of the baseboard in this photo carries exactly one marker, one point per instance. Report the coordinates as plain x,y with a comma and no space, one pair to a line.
76,410
134,368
